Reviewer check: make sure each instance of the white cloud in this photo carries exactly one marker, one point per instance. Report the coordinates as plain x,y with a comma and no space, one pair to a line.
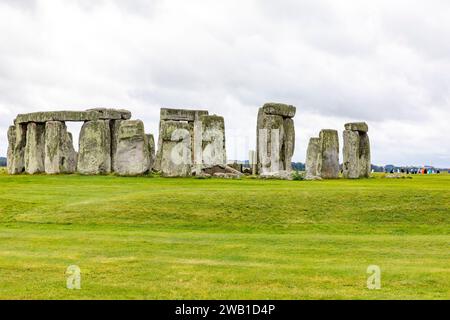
384,62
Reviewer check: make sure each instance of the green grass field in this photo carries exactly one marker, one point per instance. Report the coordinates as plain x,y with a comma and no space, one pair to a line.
155,238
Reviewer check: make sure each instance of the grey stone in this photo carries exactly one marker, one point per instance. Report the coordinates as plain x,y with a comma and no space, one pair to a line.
280,175
357,126
114,127
16,150
131,154
213,141
35,148
181,114
351,152
364,159
329,154
95,148
88,115
356,153
176,149
275,142
151,150
57,116
312,159
269,143
60,156
111,114
289,143
11,146
279,109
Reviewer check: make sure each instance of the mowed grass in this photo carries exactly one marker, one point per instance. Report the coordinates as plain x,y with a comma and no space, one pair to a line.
155,238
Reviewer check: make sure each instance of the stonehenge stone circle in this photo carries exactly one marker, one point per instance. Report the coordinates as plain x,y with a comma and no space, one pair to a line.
356,151
275,140
329,154
191,142
312,160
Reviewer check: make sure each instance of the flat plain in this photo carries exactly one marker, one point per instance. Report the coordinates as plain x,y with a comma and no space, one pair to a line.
155,238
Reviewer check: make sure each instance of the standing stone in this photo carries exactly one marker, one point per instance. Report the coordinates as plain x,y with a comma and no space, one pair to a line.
151,150
289,143
312,159
201,151
356,151
364,151
213,141
60,156
131,156
270,142
35,148
11,146
114,127
17,136
351,152
252,161
329,154
176,153
192,118
95,148
275,140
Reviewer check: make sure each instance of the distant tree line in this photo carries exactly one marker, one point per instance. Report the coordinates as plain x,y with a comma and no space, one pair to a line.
2,162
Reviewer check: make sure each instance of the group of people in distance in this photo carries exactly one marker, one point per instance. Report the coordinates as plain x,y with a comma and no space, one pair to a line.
416,171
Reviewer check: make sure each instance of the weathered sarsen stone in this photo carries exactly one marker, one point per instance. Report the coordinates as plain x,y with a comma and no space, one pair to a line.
16,150
60,156
131,154
178,120
275,138
11,146
365,166
312,159
213,141
151,150
35,148
356,151
88,115
176,153
95,148
329,154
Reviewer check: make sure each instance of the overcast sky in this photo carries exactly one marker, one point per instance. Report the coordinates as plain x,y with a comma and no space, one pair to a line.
383,62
